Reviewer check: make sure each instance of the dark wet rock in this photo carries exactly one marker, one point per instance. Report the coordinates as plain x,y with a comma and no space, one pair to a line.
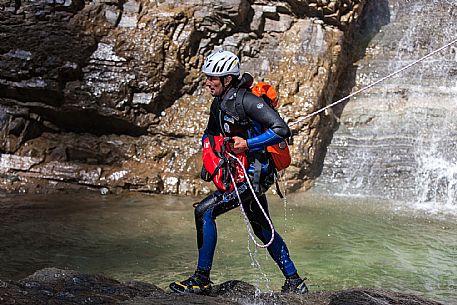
66,287
54,286
376,297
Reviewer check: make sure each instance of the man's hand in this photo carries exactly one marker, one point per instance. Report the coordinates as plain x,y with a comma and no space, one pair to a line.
239,145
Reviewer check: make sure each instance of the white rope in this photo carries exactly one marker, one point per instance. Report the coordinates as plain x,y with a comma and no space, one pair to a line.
373,84
309,116
246,220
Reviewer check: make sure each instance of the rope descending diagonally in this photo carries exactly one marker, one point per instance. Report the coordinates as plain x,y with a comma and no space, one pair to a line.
307,117
260,206
373,84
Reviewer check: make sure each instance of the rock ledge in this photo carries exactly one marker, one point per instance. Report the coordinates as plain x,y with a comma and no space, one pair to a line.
67,287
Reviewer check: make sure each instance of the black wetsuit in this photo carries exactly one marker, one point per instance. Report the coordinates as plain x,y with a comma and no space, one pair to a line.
261,126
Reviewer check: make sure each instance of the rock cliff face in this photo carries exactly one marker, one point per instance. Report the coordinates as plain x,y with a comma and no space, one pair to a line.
398,140
108,94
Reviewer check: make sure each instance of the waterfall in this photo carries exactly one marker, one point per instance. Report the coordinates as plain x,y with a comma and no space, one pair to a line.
398,140
436,177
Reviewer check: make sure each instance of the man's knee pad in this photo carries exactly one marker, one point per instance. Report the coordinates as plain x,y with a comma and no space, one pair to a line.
204,205
202,210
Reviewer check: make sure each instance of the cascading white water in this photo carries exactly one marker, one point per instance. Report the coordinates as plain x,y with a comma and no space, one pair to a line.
435,149
398,140
436,177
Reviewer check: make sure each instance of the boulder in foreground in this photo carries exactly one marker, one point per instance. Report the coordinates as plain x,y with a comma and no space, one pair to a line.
52,286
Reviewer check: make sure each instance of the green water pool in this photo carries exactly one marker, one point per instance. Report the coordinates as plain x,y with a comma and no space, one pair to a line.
335,242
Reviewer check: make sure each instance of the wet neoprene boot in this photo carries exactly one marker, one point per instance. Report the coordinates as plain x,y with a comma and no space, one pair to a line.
294,284
197,283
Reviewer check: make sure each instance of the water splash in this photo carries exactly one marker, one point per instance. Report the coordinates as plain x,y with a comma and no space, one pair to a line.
255,264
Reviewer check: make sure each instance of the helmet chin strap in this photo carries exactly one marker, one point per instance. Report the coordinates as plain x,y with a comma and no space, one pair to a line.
225,89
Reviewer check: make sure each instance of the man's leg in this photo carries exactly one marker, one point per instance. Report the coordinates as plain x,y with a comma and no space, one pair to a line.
205,215
278,249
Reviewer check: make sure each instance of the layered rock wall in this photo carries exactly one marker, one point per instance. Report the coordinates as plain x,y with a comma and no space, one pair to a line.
398,139
108,94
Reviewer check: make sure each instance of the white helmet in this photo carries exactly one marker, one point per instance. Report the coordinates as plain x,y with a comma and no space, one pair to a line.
221,63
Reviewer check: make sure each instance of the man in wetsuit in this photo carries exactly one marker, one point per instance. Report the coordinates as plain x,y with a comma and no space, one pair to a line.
261,128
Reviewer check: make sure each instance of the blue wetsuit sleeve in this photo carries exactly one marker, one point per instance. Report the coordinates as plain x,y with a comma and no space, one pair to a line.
267,138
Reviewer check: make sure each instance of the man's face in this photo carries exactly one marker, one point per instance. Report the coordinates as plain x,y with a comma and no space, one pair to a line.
215,86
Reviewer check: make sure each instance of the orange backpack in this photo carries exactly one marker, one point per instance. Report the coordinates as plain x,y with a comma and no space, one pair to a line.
279,152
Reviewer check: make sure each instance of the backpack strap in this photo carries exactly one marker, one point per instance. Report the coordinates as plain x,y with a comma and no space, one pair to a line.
278,189
257,172
239,108
212,143
219,154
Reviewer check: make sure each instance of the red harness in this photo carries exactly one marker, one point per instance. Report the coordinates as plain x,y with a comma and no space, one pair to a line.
218,163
